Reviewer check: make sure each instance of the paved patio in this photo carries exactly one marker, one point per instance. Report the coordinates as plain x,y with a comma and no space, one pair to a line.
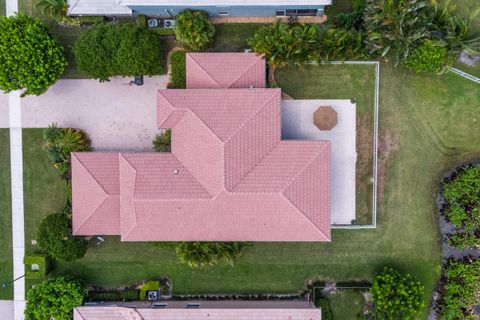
297,123
116,115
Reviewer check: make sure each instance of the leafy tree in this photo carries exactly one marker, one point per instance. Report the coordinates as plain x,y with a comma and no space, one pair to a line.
202,254
54,299
193,29
30,59
428,57
55,9
163,141
61,142
107,50
55,237
396,296
342,44
461,285
395,27
285,44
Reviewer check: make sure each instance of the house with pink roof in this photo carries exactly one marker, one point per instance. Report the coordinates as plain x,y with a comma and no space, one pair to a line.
229,175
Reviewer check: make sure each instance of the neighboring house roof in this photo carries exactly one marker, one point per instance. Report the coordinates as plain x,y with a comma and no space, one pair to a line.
97,7
119,313
224,2
225,70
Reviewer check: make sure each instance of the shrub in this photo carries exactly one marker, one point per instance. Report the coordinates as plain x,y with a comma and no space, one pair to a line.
285,45
324,305
43,263
163,141
55,9
54,299
342,44
61,142
178,70
30,59
202,254
107,50
353,19
55,237
460,290
193,29
428,57
113,295
148,286
462,206
91,19
396,296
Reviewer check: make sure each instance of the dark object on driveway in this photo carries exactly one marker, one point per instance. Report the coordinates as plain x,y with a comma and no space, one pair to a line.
138,80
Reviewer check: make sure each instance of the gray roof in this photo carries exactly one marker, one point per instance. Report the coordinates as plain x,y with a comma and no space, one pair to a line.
97,7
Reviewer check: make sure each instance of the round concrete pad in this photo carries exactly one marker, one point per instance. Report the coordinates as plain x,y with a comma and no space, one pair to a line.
325,118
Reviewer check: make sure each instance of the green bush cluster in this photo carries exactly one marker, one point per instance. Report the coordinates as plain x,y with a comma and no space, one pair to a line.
114,295
30,59
61,142
428,57
460,290
43,262
194,29
118,49
462,206
55,237
396,296
148,286
324,305
54,299
202,254
178,70
353,19
163,141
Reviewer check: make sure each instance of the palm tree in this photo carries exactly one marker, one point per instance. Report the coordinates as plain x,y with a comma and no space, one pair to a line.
163,141
194,29
54,9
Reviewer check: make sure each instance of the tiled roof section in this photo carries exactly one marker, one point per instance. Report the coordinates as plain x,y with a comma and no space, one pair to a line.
228,217
162,176
119,313
223,111
225,70
95,193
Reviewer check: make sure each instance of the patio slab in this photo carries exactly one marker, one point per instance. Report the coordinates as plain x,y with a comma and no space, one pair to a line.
116,115
297,123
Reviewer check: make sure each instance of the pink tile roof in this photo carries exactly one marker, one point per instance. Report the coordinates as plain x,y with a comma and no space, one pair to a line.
225,70
225,180
119,313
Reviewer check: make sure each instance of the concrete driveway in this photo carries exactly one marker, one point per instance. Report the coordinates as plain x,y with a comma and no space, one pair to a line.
116,115
297,123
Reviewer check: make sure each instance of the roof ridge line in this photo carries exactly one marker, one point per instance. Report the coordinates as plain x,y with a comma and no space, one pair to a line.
208,74
304,215
91,174
120,154
244,72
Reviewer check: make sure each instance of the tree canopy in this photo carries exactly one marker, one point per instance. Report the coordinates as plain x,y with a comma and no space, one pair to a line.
54,299
55,237
30,59
118,49
193,29
396,296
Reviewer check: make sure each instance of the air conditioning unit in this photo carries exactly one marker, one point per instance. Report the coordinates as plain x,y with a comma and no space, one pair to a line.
169,23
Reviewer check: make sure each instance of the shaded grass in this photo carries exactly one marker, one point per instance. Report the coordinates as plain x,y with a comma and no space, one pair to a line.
3,8
346,305
343,82
6,258
233,36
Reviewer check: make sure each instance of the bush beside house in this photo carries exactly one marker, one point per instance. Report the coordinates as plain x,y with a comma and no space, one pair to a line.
193,29
118,49
178,72
30,59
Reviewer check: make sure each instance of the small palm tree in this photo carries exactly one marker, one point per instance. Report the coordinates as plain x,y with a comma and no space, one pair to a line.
163,141
193,29
54,9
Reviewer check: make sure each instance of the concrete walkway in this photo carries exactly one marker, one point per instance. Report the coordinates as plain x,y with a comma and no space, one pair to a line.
297,123
115,115
6,309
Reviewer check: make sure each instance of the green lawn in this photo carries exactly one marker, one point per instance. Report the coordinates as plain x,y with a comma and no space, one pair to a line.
427,125
344,82
3,8
233,36
6,260
346,305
